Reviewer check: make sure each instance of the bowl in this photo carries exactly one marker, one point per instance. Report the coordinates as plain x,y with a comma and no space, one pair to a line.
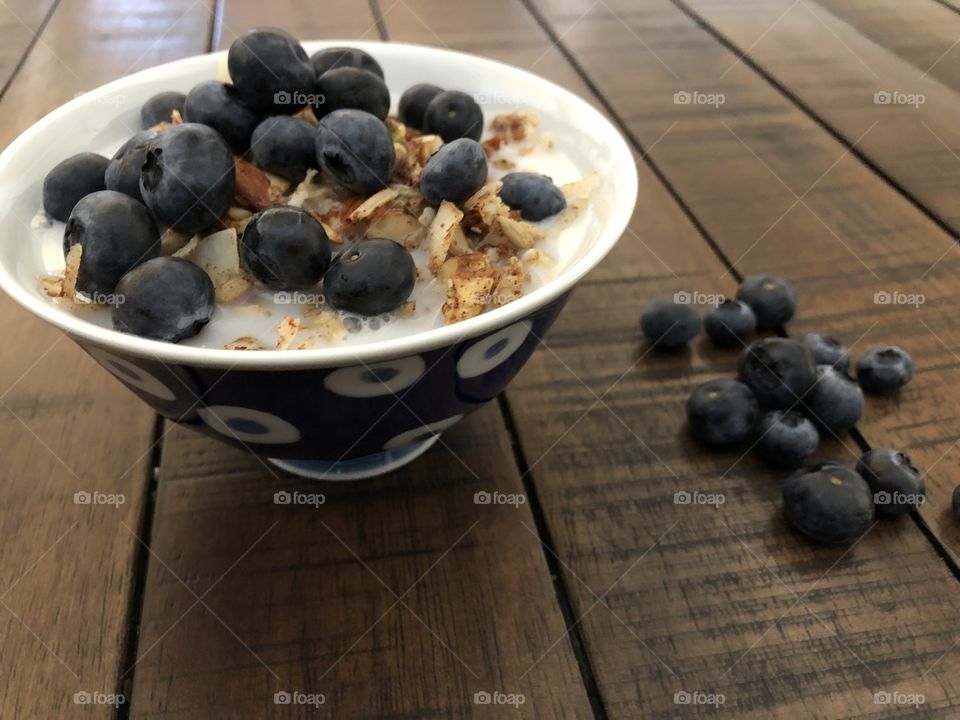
347,411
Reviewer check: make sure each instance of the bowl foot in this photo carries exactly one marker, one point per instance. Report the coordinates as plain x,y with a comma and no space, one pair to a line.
356,468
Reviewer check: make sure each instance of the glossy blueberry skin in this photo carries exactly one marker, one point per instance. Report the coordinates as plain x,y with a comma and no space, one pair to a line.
884,370
828,502
158,108
414,102
535,196
730,323
778,370
271,71
117,234
218,105
337,57
455,172
891,473
354,149
372,277
285,248
668,324
722,412
70,180
284,146
835,402
771,299
453,114
351,88
827,350
123,172
165,298
786,438
188,178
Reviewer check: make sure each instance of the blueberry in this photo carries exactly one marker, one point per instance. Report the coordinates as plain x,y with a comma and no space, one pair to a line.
897,486
351,88
188,178
453,114
455,172
218,105
123,172
271,71
337,57
829,503
884,370
355,149
835,402
721,412
117,234
284,146
70,180
787,438
165,298
730,323
159,107
535,196
413,104
285,248
779,371
372,277
668,324
827,351
771,298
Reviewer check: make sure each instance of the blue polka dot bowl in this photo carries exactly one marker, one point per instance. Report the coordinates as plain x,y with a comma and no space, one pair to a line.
343,411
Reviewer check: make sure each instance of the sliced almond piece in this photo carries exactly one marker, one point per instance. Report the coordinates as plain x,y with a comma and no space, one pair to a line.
582,188
510,286
247,342
72,270
171,241
187,250
441,233
287,330
373,203
400,227
252,187
522,235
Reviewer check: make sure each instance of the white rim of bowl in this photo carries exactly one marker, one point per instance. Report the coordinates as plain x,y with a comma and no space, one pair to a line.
331,357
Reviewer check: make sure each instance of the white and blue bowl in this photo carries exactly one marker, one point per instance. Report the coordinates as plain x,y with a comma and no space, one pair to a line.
348,411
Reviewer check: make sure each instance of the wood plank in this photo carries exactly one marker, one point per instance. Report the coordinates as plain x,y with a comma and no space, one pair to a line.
312,606
21,22
66,426
689,598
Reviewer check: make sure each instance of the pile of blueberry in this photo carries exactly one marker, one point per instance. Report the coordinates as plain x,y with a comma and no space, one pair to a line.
183,177
787,394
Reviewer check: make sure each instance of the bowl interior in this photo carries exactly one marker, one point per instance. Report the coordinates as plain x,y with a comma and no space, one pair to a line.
102,119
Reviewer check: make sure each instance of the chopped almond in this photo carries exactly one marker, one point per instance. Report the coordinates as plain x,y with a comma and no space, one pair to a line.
287,330
441,233
252,186
246,342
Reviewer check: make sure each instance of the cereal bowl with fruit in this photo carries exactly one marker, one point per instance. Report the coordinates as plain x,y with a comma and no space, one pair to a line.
323,253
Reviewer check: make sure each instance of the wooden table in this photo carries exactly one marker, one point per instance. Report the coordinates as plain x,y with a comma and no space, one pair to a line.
600,597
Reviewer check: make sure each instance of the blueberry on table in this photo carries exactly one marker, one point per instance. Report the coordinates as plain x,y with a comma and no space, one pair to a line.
271,71
786,438
165,298
829,503
70,180
372,277
350,87
188,178
453,114
413,104
827,350
771,298
730,323
669,325
284,146
123,172
355,150
722,412
534,195
285,248
337,57
116,233
159,107
455,172
897,486
884,370
218,105
778,370
835,402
